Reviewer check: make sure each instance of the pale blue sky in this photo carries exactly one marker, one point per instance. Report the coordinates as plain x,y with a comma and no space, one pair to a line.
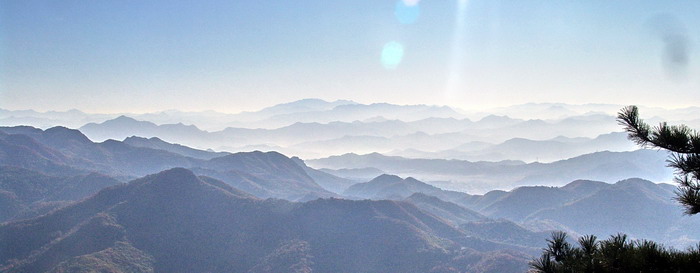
141,56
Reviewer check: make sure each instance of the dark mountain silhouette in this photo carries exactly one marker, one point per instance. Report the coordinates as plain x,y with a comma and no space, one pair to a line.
174,221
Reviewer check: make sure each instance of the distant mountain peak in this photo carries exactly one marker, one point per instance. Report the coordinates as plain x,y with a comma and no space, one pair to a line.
635,181
132,138
412,180
387,177
60,132
177,173
125,121
124,118
494,118
579,182
144,139
422,196
175,178
298,161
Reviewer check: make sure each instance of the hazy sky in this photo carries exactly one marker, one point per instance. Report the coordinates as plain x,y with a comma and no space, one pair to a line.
147,55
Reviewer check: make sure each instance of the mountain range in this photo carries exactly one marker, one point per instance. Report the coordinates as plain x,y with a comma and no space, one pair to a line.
637,207
205,226
317,110
313,128
482,176
389,135
66,152
66,205
26,193
528,150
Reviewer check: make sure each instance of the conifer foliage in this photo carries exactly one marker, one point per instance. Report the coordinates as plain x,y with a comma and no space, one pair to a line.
616,254
682,142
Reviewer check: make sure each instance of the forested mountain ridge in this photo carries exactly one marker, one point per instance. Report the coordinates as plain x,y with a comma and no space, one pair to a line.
203,227
65,152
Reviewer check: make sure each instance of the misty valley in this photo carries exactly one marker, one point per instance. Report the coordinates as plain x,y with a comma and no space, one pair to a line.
317,186
363,136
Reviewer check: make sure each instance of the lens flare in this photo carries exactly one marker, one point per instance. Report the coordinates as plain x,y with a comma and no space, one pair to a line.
407,12
392,54
455,80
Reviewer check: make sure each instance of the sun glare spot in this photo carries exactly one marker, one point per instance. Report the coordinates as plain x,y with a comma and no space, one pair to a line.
411,3
392,54
407,11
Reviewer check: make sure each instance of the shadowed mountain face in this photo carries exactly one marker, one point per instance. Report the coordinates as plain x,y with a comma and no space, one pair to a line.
174,221
26,152
25,193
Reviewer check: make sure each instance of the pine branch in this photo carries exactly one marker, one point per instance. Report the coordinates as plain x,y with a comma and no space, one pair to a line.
686,164
683,142
675,138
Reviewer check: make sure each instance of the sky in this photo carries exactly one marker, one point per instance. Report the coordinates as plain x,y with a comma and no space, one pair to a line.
150,55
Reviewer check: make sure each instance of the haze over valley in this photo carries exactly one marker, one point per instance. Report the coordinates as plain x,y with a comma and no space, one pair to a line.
464,136
497,185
